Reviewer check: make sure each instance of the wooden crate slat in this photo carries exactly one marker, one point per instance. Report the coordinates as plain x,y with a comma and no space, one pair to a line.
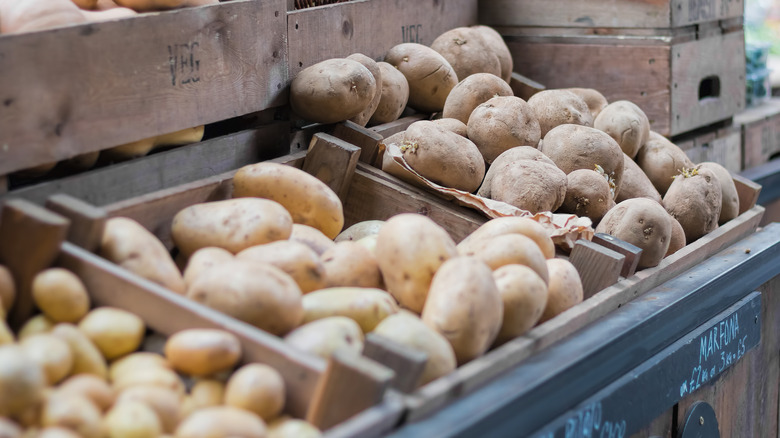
83,88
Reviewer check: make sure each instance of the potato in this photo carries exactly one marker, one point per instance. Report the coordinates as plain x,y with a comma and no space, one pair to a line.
574,147
564,290
87,358
592,98
91,387
366,306
524,294
163,402
129,245
677,241
207,392
288,427
507,159
559,107
465,306
429,74
587,194
509,249
626,123
51,353
9,429
635,184
640,222
442,156
369,242
497,45
332,90
350,264
6,335
139,360
510,225
257,388
360,230
410,248
35,325
296,259
157,377
467,52
115,332
7,289
60,295
311,237
394,95
695,200
409,330
222,422
471,92
324,336
202,352
309,200
453,125
373,67
232,224
204,259
501,123
73,412
22,381
661,160
132,419
529,185
259,294
729,197
56,432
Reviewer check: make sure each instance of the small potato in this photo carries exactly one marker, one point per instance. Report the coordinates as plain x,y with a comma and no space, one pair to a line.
510,225
453,125
661,160
373,67
296,259
587,195
524,294
131,246
7,289
471,92
695,200
534,186
259,294
204,259
559,107
115,332
429,74
6,335
465,306
349,264
207,392
164,402
408,329
635,184
288,427
132,419
309,200
366,306
232,224
311,237
36,325
507,159
60,295
496,44
509,249
222,422
369,242
91,387
626,123
501,123
51,353
565,288
360,230
394,95
257,388
332,90
467,52
9,429
729,197
410,248
593,98
325,336
139,360
87,358
56,432
640,222
73,412
22,381
202,352
677,241
157,377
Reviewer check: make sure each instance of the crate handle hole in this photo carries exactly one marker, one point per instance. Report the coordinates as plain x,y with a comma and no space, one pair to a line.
709,88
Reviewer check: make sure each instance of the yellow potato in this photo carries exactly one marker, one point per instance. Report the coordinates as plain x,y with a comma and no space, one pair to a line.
369,243
325,336
288,427
115,332
6,335
60,295
564,290
511,225
36,325
73,412
296,259
132,419
309,200
56,432
91,387
21,381
87,358
202,352
510,249
159,377
164,402
311,237
349,264
366,306
360,230
137,360
51,353
203,259
257,388
524,294
222,422
207,392
7,289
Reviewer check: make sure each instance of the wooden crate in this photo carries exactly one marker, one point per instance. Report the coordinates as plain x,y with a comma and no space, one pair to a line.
78,89
760,132
720,144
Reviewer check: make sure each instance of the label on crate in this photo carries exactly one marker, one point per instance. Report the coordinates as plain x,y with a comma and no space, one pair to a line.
627,405
411,33
184,62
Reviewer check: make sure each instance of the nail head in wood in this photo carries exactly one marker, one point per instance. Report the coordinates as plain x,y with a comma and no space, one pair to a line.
632,252
599,267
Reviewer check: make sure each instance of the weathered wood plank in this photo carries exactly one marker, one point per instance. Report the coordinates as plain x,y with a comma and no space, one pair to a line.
599,267
87,222
396,126
366,139
760,132
332,161
407,363
524,87
661,427
631,252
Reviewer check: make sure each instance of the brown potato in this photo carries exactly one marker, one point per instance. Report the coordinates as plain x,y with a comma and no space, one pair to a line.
73,412
467,52
626,123
496,43
202,352
257,388
640,222
559,107
309,200
635,184
730,198
164,402
465,306
360,230
410,248
203,259
587,195
87,358
471,92
332,90
288,427
510,225
51,353
509,249
36,325
325,336
677,241
501,123
296,259
394,95
507,159
132,418
311,237
259,294
661,160
362,117
695,200
429,74
91,387
115,332
222,422
22,381
453,125
529,185
564,290
366,306
350,264
593,98
60,295
7,289
524,294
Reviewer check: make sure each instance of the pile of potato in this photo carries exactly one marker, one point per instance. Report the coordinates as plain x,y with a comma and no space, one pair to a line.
76,371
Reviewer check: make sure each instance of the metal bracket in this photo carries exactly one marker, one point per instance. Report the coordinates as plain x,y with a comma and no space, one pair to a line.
701,422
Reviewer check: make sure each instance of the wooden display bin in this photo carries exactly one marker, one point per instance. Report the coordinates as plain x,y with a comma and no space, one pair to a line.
760,131
719,144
